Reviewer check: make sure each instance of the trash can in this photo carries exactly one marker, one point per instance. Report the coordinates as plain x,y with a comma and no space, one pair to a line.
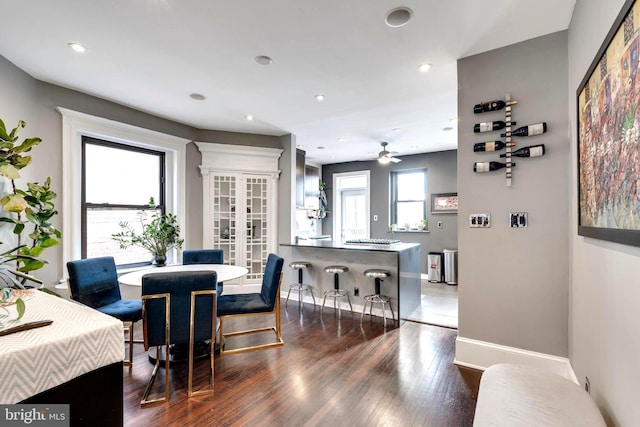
451,266
434,263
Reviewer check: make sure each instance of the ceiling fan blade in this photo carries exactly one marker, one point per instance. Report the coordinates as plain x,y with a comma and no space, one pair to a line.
395,160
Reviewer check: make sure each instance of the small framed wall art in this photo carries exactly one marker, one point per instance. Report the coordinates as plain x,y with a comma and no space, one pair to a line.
444,203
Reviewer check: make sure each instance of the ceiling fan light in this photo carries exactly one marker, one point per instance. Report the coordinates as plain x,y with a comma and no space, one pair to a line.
384,160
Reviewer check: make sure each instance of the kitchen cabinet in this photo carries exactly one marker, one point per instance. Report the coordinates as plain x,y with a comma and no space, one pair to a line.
311,187
240,207
300,183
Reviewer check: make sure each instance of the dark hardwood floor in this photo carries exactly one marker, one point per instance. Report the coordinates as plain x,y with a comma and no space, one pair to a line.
330,372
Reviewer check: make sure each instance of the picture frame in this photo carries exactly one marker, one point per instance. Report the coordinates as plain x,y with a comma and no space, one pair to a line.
608,104
444,203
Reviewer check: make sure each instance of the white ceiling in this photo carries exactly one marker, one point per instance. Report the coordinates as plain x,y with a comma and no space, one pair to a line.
152,54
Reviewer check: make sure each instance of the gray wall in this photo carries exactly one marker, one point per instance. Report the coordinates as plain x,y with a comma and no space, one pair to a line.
514,283
604,314
441,178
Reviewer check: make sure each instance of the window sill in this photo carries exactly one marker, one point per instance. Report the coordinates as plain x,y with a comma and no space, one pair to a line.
408,231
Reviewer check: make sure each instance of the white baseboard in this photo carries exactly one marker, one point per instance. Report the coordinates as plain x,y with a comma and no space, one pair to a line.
480,355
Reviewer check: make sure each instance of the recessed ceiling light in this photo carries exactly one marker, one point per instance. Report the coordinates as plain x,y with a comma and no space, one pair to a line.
454,120
299,146
447,129
77,47
197,96
423,68
396,130
263,60
320,147
319,97
340,139
249,117
398,17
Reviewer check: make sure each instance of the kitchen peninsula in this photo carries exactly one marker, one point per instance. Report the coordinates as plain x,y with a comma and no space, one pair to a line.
402,260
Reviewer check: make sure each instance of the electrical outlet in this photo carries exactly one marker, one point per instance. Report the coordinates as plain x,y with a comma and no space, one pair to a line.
375,217
356,292
587,385
480,220
439,224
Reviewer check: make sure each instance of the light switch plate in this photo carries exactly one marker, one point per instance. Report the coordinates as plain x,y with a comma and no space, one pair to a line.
480,220
518,220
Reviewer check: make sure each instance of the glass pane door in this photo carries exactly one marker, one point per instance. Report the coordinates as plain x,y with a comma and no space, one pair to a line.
256,206
354,215
224,217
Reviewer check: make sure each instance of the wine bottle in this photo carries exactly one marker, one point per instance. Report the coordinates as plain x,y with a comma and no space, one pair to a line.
489,146
483,107
489,166
531,130
490,126
532,151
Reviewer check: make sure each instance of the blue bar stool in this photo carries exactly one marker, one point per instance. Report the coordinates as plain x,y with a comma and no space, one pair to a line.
336,292
300,286
377,298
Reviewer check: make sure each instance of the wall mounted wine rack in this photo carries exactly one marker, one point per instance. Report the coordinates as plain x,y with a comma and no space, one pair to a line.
507,119
530,130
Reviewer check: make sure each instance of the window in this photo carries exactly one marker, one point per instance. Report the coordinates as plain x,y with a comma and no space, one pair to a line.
118,182
408,198
76,126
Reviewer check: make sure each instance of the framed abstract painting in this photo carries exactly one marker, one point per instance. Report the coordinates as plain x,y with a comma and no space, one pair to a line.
608,101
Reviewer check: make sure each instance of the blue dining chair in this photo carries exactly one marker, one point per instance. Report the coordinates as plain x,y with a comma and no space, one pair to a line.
178,308
94,282
204,256
267,301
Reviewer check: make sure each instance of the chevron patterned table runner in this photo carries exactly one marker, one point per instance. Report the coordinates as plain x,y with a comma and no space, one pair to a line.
79,340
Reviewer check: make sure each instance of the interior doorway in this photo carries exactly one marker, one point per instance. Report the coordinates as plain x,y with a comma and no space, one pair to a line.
438,305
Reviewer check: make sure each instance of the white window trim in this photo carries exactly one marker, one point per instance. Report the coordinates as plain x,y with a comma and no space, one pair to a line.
75,125
337,201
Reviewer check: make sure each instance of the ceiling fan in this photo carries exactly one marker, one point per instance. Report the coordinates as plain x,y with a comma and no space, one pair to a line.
385,156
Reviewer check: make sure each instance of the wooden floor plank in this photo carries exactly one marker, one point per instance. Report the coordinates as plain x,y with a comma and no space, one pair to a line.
330,372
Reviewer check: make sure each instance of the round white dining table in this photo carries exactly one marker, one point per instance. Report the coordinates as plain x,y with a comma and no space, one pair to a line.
225,272
132,281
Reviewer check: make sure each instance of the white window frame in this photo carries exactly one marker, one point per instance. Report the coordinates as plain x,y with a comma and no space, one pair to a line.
337,201
74,126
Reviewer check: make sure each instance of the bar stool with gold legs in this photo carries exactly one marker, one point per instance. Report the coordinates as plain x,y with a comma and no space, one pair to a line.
300,286
377,298
336,292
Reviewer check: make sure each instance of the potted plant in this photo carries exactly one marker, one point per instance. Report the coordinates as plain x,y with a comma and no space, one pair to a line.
28,211
158,235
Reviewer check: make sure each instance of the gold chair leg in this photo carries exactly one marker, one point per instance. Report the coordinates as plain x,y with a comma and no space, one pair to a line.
167,334
190,391
128,326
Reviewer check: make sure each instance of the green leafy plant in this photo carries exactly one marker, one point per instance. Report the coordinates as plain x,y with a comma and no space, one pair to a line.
158,235
29,211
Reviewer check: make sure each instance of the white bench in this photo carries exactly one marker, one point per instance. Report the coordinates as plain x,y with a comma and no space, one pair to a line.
518,395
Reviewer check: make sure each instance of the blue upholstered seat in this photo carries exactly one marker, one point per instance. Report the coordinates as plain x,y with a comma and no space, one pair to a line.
267,301
204,256
179,286
179,291
261,302
94,282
